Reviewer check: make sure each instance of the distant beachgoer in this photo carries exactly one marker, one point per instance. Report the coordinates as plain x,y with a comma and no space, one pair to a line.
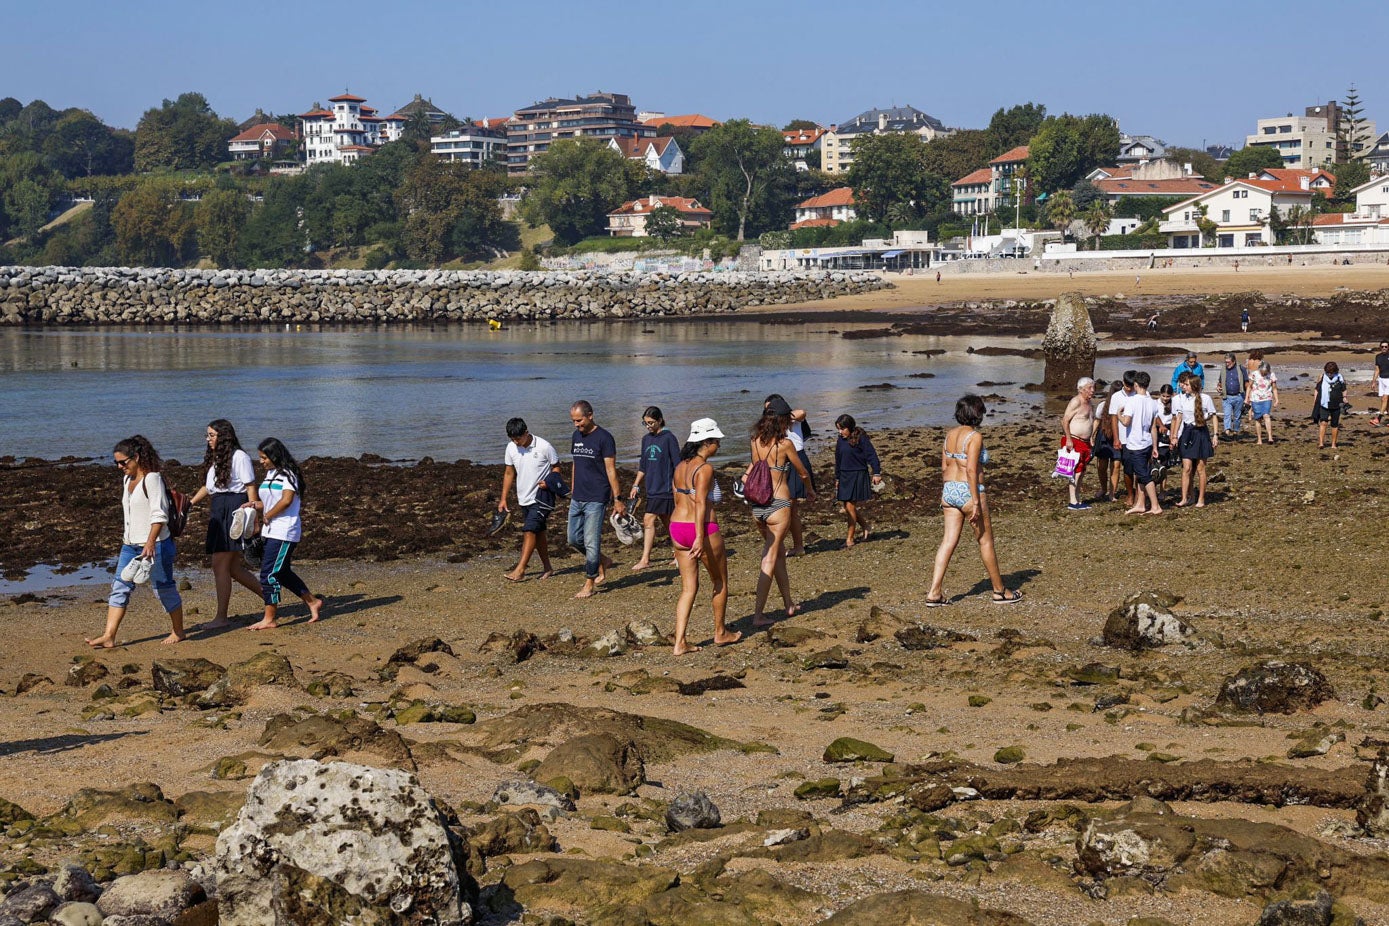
230,483
1234,383
799,434
1077,432
963,498
770,443
1263,398
1153,322
1244,321
694,530
1137,280
281,503
938,277
530,461
1189,365
1382,382
1236,266
1138,421
1326,405
145,536
593,480
660,453
1193,411
854,461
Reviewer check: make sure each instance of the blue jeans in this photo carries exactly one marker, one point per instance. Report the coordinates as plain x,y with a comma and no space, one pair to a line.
585,529
161,576
1233,405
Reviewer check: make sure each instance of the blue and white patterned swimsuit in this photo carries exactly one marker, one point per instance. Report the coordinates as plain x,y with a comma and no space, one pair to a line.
955,494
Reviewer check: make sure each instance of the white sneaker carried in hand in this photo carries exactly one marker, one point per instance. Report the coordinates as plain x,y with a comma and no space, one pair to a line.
137,571
626,527
243,524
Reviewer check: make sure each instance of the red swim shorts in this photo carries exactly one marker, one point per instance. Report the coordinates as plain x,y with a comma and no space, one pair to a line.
1083,448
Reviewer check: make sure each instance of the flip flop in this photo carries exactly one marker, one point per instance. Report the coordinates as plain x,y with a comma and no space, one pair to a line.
1007,596
936,602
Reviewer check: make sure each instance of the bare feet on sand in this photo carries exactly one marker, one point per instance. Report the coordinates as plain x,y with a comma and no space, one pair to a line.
174,638
101,642
220,623
683,648
514,575
796,551
263,625
639,565
315,610
761,620
726,638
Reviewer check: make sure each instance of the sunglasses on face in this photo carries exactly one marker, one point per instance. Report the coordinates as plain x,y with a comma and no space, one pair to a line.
121,464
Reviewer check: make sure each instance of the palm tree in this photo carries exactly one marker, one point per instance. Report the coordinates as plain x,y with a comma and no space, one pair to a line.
1097,219
1061,211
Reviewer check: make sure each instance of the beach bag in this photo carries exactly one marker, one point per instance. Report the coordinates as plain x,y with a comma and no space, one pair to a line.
757,484
1066,463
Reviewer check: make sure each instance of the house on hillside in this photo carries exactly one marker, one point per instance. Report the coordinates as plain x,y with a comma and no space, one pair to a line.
267,140
662,154
1162,179
1378,155
1240,210
1136,149
472,144
1368,224
1318,180
992,188
424,107
972,193
691,123
827,209
629,219
837,146
346,132
799,144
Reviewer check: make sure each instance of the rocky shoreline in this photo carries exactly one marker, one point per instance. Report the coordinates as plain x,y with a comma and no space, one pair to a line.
111,296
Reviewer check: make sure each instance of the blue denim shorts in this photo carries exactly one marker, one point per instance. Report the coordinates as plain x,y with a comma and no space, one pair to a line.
1261,409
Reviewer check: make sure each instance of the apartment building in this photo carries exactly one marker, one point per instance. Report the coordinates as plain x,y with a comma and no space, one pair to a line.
605,116
1312,139
473,144
837,145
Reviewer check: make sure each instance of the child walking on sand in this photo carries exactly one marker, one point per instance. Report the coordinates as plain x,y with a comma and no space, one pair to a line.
281,494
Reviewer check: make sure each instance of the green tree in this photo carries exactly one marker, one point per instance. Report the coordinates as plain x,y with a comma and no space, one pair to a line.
28,204
1085,193
1349,176
80,145
1353,132
1067,147
813,159
153,225
1061,211
1250,160
663,223
1010,128
890,170
574,185
1097,218
451,210
951,157
418,128
746,175
182,134
219,220
27,194
796,125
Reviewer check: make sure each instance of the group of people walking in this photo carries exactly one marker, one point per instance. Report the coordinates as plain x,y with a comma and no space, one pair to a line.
1136,437
242,512
682,493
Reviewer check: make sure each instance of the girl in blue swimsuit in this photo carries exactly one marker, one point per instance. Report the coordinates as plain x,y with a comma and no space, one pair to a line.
962,498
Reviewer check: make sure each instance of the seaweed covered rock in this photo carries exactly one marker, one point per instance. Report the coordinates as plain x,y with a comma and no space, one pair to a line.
1274,687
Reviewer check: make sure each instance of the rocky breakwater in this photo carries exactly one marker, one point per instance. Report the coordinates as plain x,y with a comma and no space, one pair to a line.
121,296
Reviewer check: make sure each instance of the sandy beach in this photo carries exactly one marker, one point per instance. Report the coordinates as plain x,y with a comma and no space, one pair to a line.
1279,566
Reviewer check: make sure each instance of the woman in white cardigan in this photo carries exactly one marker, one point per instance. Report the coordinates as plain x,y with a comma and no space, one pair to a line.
146,537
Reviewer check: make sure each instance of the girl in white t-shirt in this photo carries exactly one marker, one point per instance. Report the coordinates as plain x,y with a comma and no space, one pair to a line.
281,492
1195,440
230,483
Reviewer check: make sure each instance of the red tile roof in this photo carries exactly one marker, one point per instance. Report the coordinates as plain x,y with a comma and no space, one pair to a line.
317,114
681,204
347,98
815,223
842,196
498,123
803,136
1292,176
1008,157
691,121
1177,186
982,175
256,132
1274,186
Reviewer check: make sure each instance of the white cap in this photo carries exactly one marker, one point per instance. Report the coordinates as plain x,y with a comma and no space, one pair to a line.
704,429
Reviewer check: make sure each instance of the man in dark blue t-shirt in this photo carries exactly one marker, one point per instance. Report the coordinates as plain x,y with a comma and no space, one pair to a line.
594,484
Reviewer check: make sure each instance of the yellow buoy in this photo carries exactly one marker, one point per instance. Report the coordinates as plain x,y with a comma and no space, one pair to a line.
494,324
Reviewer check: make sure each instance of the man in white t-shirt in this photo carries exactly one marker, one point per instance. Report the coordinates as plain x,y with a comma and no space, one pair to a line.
1112,409
529,462
1138,434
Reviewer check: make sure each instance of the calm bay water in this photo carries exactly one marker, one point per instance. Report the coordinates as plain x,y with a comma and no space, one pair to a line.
406,392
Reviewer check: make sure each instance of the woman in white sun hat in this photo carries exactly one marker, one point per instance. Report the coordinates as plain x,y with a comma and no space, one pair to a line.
694,531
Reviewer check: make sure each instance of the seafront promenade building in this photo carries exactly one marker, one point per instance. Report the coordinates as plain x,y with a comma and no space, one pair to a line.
534,128
1368,224
992,188
1314,139
1240,211
826,210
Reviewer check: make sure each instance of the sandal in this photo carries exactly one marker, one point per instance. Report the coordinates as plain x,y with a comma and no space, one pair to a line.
936,602
1008,596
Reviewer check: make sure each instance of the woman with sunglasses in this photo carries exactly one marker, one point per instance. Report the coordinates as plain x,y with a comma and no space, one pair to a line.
145,537
660,453
229,485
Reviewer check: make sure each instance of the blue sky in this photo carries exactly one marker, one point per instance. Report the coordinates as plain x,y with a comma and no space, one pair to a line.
1185,72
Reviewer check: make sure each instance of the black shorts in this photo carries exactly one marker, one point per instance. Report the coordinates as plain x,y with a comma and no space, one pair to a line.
1139,465
1322,413
660,504
536,519
221,507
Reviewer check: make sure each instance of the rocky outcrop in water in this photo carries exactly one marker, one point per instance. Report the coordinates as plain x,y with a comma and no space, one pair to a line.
136,296
1069,343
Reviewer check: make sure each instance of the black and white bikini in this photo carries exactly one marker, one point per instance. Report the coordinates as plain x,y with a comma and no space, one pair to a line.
763,512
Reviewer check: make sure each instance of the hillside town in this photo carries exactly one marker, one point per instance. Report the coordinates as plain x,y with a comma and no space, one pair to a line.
887,188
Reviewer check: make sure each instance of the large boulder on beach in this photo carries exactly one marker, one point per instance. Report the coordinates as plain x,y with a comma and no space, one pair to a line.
319,844
1274,687
161,893
1069,344
1144,621
596,763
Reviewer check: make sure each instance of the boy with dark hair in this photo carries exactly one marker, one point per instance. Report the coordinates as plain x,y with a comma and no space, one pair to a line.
529,462
1139,423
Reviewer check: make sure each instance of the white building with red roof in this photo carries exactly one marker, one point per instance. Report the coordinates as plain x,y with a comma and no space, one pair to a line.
1368,224
345,131
991,188
827,209
662,154
629,219
799,143
264,140
1240,210
693,123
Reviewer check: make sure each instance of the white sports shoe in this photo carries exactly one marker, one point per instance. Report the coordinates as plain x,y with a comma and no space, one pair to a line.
137,571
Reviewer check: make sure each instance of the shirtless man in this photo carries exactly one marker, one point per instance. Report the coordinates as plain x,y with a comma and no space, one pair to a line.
1077,429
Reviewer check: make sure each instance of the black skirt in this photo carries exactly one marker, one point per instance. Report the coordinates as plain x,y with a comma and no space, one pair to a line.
221,507
855,486
1196,444
794,482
